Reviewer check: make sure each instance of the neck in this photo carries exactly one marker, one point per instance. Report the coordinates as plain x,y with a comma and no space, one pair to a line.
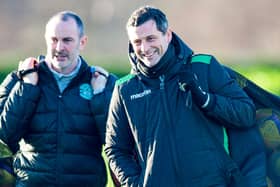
66,70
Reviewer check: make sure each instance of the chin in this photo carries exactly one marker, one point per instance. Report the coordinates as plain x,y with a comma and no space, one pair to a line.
150,63
153,63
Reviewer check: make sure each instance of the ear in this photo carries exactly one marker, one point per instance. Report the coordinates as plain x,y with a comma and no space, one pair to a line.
169,35
83,42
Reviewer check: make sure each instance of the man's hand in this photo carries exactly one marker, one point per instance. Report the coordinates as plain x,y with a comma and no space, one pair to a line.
99,79
188,81
27,70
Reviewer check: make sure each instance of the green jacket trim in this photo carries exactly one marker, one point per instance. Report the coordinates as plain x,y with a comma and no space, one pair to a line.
124,79
206,59
201,58
226,145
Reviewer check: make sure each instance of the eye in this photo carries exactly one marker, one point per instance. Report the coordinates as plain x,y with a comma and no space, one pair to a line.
137,42
54,40
67,40
151,38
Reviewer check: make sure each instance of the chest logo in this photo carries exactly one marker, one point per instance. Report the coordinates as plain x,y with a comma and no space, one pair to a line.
139,95
86,91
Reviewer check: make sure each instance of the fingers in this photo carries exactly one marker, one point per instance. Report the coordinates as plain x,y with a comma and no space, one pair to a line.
98,83
100,71
99,79
97,74
28,63
27,70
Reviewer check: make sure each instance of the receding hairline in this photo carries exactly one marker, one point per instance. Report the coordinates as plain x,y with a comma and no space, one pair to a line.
65,16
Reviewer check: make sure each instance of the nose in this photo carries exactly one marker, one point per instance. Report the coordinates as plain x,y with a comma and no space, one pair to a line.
59,45
144,46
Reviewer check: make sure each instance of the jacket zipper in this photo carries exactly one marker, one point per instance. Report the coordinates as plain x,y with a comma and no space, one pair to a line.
168,126
161,84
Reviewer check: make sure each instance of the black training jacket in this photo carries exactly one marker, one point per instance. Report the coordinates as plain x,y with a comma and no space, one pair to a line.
61,133
151,115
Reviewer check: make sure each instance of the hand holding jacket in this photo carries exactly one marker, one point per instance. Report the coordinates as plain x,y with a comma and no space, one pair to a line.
188,82
99,79
27,70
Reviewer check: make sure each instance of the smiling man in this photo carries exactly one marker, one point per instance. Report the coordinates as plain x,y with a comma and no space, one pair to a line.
149,43
167,119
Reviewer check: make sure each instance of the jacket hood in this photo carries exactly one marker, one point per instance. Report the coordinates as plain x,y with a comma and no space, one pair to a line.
182,51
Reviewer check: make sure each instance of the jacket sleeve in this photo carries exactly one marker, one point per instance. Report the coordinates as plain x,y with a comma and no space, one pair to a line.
5,89
231,105
100,106
120,144
17,101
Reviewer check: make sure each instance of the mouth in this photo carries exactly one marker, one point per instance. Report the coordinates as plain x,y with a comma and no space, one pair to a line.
149,55
60,56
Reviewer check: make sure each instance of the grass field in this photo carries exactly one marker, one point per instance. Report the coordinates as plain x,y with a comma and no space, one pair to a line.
266,75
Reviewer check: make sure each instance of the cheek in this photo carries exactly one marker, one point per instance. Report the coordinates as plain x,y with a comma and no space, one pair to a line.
164,47
74,47
137,50
161,49
50,49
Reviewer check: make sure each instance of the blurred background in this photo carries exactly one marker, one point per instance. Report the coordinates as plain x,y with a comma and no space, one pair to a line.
240,33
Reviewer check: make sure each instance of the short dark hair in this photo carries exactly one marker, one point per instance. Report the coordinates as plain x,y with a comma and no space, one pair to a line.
66,15
146,13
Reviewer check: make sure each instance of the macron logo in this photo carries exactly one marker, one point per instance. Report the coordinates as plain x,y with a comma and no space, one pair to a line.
139,95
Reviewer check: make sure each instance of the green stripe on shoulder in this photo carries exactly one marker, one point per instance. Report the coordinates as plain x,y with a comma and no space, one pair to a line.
201,58
124,79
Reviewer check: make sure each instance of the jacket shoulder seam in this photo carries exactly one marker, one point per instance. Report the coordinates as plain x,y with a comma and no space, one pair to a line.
201,58
124,79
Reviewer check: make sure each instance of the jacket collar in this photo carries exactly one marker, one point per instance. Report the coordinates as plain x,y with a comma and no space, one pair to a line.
44,67
47,75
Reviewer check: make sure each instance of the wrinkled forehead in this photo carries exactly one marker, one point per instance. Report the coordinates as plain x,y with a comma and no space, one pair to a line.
58,26
145,29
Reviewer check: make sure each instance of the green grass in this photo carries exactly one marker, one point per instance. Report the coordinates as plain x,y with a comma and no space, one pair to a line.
117,65
109,181
265,75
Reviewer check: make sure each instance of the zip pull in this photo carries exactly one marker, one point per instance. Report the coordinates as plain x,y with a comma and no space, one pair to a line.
161,78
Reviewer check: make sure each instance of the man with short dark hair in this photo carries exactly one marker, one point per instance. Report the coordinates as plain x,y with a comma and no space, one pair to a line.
173,111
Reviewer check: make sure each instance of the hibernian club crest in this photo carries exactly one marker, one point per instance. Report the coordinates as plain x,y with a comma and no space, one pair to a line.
86,91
